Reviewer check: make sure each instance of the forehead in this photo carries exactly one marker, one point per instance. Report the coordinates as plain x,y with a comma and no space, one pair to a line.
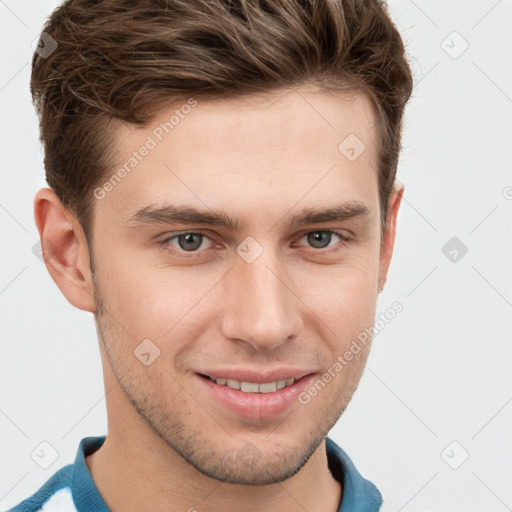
293,145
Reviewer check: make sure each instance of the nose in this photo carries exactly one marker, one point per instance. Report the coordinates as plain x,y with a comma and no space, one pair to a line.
260,307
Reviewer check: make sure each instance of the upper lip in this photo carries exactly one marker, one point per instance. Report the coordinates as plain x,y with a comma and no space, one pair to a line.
258,377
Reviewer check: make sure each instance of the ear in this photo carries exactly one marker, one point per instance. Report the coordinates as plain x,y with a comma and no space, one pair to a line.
388,239
65,250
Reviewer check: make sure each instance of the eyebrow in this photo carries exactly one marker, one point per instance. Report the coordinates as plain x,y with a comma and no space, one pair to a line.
173,214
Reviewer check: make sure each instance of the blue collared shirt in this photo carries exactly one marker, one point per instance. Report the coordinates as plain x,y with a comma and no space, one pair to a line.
72,489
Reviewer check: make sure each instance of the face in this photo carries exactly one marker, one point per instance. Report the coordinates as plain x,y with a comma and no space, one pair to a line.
271,278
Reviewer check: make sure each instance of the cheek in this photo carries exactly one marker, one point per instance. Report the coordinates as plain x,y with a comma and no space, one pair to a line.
343,301
158,301
341,291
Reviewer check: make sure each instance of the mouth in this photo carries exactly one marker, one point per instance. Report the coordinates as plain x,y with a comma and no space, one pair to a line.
252,387
254,395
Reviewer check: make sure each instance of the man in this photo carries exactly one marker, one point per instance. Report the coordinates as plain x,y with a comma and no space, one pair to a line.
223,200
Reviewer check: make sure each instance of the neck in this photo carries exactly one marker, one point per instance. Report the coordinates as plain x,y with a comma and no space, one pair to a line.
135,473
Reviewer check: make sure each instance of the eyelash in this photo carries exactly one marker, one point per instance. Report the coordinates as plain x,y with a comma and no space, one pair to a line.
166,247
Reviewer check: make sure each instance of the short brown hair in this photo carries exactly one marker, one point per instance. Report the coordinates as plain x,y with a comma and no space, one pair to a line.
123,60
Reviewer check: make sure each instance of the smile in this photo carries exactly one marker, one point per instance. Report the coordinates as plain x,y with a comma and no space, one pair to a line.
254,387
252,394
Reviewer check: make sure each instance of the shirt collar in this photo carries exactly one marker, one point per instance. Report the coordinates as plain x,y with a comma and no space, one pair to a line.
85,493
359,494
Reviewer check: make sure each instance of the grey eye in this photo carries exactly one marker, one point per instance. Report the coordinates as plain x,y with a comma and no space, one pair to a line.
190,241
319,239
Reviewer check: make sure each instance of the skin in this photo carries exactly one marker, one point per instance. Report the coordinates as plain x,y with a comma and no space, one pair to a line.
169,445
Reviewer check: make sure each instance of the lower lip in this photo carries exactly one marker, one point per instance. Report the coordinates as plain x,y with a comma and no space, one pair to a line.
256,405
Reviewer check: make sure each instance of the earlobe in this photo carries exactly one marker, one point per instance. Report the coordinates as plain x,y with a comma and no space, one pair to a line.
65,250
388,240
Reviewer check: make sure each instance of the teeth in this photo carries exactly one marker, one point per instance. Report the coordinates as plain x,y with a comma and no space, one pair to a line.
253,387
268,387
249,387
235,384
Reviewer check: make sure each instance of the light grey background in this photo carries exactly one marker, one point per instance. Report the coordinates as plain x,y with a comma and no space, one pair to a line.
439,373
